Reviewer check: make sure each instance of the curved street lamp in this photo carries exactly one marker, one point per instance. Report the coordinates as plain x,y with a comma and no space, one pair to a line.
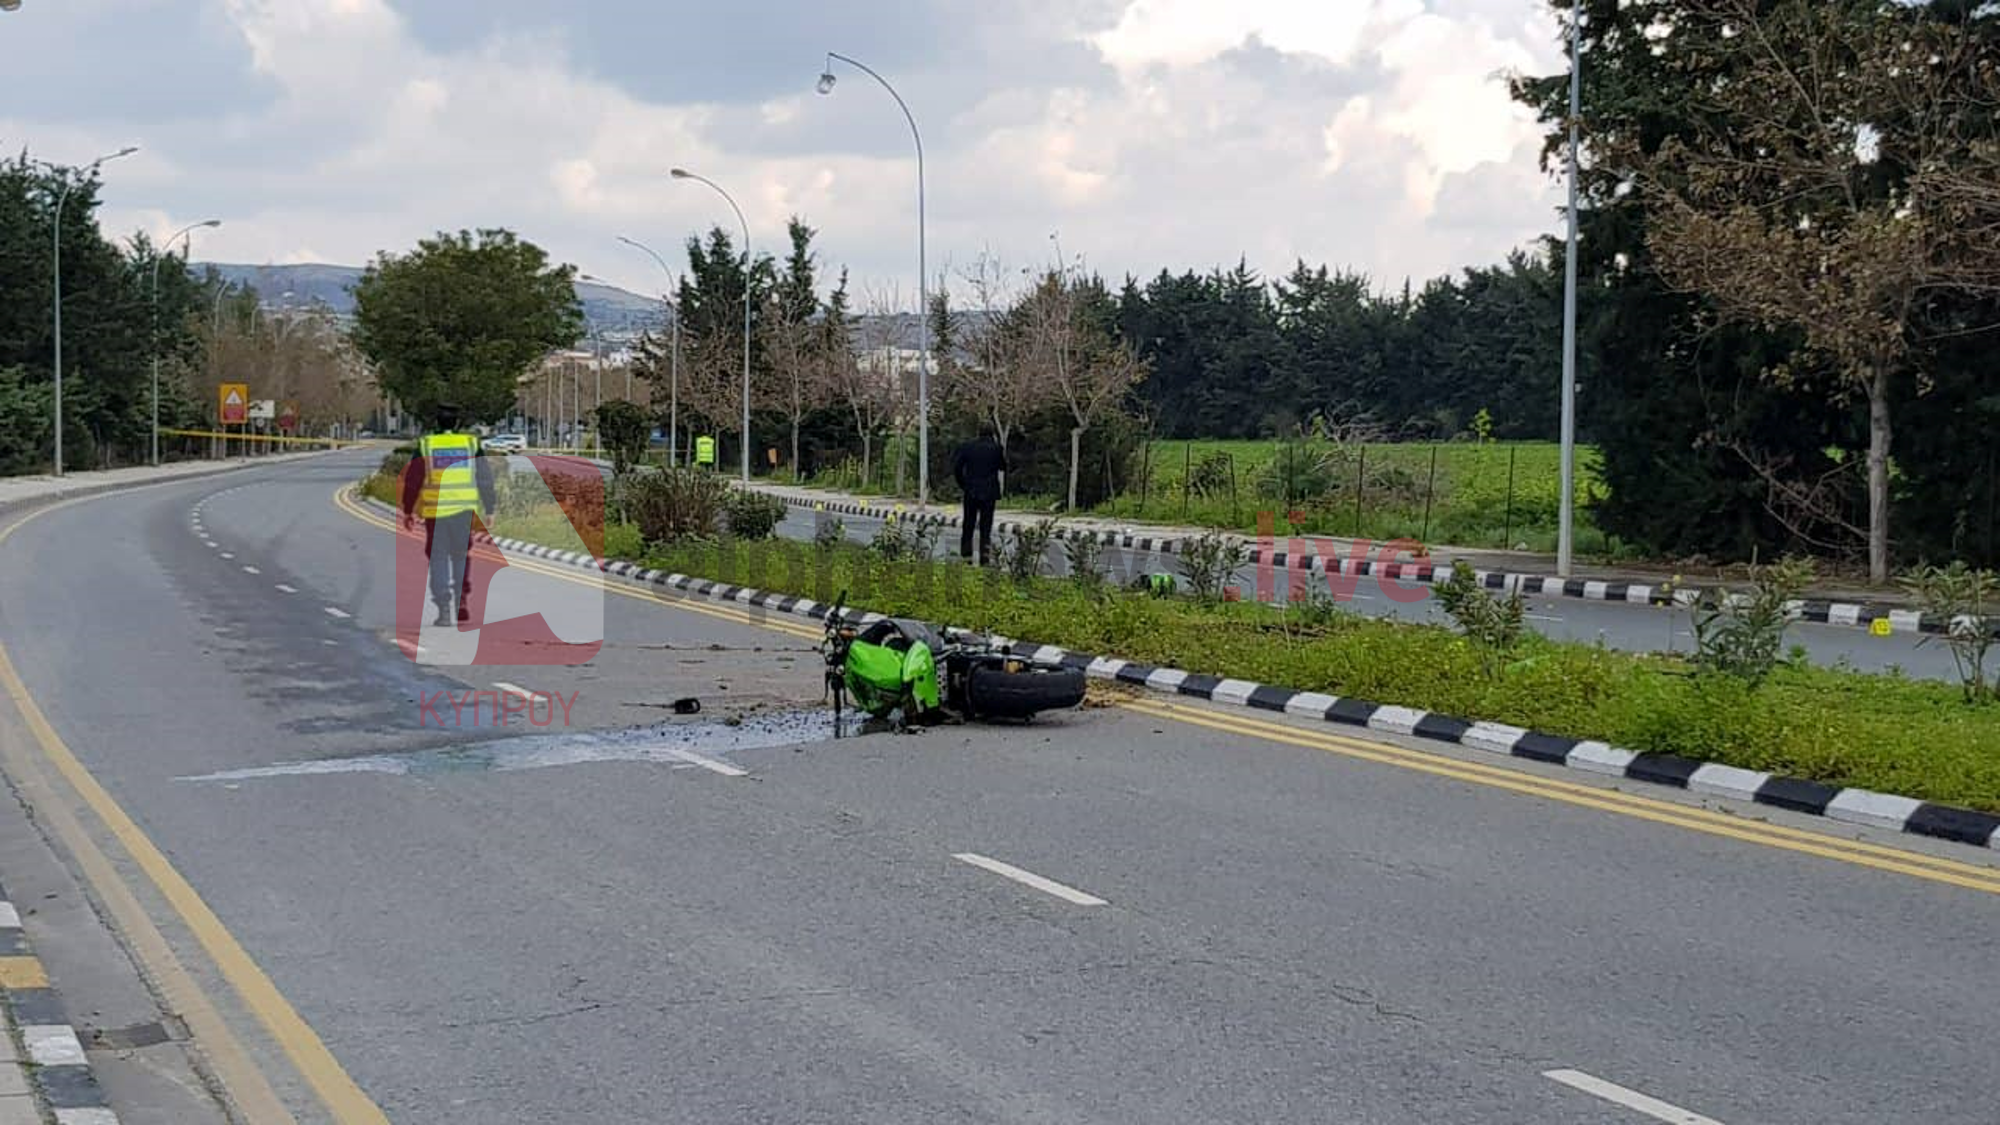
825,86
684,174
674,383
62,197
166,248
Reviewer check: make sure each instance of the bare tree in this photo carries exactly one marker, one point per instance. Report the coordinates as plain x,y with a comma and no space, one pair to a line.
795,370
887,373
996,380
1087,370
1842,180
854,377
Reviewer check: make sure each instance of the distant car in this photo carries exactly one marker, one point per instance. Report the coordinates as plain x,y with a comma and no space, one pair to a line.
366,434
507,443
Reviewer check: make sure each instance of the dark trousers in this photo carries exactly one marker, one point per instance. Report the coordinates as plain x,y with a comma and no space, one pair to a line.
448,546
979,514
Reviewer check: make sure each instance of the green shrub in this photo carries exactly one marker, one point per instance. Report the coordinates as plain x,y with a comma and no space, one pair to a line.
1494,625
1025,553
903,539
753,515
829,531
1085,555
674,504
1209,560
1968,602
1741,637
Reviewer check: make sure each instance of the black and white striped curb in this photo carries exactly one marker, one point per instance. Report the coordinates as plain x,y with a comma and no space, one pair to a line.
1878,619
1853,806
51,1052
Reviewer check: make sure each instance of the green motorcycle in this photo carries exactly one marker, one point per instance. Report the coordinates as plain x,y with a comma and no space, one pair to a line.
905,672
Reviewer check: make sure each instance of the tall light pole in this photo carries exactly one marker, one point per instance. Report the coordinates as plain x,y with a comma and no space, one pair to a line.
62,197
826,81
166,248
1566,520
674,380
684,174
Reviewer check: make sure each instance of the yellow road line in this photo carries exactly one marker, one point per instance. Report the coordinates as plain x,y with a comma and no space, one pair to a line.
1913,864
346,503
22,972
334,1087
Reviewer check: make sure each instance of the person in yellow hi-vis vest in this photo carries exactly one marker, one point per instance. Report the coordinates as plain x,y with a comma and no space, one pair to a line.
447,484
704,452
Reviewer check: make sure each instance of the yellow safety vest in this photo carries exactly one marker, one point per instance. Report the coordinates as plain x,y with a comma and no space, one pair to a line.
704,450
450,485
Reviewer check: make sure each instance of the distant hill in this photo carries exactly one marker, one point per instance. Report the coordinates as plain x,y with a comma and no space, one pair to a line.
613,310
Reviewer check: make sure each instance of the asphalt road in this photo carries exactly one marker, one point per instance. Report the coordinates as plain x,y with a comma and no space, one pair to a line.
1619,625
1243,925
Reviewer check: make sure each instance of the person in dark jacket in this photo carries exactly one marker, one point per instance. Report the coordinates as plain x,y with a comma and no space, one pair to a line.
448,485
976,466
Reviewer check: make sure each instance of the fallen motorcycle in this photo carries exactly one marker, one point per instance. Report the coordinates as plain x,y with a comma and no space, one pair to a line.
905,672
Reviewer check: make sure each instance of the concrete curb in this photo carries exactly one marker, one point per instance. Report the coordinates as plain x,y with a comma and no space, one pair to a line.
20,503
51,1051
1875,618
1853,806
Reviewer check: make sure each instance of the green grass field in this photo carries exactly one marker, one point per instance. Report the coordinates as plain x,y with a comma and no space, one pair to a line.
1497,494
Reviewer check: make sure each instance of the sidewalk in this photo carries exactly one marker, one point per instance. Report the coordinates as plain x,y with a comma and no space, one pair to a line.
35,489
1831,603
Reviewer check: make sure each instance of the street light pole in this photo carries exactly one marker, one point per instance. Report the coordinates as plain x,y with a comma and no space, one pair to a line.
62,197
684,174
1566,529
674,384
826,81
165,249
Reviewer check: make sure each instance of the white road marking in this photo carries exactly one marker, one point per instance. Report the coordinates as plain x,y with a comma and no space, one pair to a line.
1030,879
340,613
286,589
510,689
1630,1099
251,570
713,765
1540,617
10,918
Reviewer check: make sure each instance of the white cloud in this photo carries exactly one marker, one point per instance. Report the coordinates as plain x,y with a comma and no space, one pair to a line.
1152,133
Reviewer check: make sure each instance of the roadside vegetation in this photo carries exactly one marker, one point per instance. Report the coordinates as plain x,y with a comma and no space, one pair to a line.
1744,701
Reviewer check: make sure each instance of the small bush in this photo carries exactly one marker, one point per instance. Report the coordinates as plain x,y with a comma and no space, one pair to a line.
828,531
905,540
1309,605
675,504
753,515
1742,637
1494,625
1209,560
1026,551
1085,554
1968,602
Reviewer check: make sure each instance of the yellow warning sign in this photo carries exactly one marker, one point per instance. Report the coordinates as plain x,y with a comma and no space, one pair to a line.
1880,626
235,404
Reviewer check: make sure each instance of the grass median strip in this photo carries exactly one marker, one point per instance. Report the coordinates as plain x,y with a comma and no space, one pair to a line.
1879,732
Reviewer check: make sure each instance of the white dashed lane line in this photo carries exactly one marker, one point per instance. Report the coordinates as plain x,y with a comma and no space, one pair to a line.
1029,879
286,589
1631,1099
332,611
251,570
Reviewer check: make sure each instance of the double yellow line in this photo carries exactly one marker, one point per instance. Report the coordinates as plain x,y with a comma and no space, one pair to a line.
1896,860
249,1090
1694,819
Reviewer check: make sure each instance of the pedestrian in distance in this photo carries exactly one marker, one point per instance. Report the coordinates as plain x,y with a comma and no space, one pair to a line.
447,485
977,466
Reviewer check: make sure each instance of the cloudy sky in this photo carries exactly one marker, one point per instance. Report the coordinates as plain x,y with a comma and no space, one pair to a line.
1136,133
